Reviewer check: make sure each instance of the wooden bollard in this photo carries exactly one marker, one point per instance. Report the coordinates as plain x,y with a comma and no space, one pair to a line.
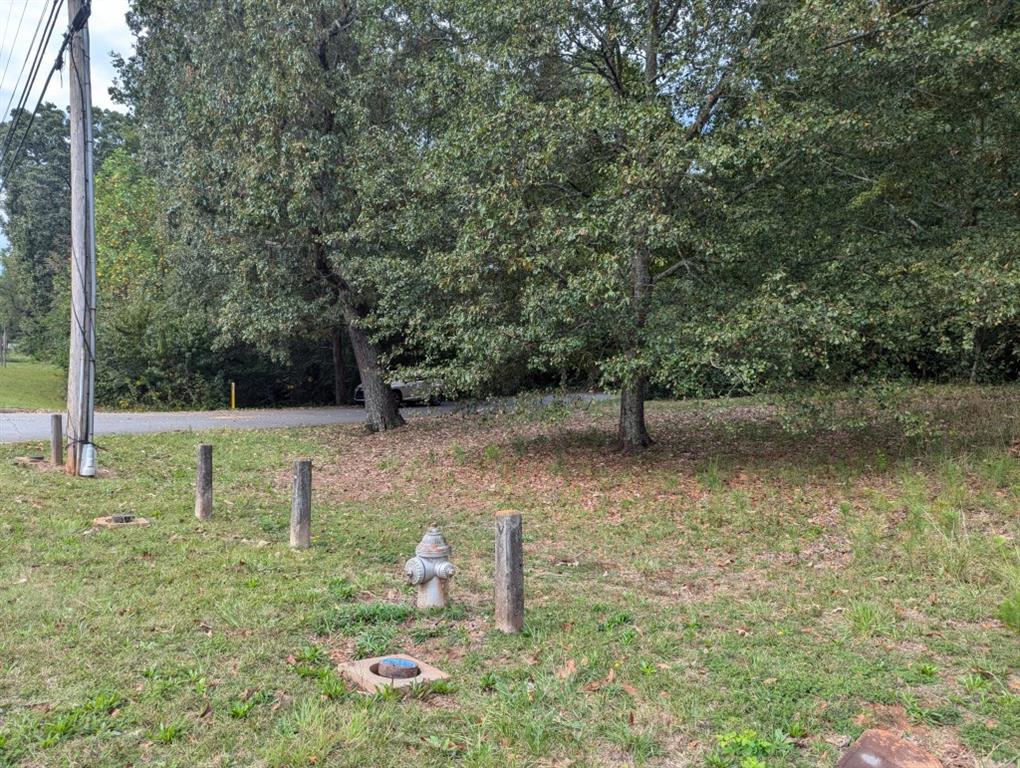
509,572
301,506
56,440
203,483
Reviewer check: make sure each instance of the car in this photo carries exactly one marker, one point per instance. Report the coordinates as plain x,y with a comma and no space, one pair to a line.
417,392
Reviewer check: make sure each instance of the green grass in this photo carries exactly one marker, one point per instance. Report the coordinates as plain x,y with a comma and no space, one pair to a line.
739,595
31,386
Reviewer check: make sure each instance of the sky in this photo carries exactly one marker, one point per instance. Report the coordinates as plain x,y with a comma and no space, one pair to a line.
107,28
18,19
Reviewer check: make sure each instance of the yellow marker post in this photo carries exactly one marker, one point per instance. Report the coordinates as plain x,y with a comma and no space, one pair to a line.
233,396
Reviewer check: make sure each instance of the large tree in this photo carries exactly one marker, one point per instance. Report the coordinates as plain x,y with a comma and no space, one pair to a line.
274,129
578,171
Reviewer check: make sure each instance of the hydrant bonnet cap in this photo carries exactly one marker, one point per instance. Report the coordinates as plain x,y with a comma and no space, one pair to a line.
433,544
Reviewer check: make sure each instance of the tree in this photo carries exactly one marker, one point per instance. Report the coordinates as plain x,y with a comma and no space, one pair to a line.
579,165
269,193
37,221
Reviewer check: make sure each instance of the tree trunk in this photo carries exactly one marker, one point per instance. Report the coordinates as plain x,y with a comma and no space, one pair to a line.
381,405
380,401
339,375
652,47
632,431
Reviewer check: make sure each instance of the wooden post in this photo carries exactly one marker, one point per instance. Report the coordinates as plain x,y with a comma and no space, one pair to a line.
301,506
509,572
81,361
203,483
233,396
56,440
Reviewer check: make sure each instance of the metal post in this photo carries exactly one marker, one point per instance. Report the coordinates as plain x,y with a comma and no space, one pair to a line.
204,483
509,572
301,506
56,440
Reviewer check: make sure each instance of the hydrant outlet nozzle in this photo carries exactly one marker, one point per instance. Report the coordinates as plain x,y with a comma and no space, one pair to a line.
445,570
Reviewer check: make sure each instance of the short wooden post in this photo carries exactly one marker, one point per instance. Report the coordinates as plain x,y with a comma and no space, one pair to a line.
301,506
56,440
203,483
509,572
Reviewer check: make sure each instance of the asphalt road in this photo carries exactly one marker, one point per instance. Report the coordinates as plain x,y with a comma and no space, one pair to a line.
22,427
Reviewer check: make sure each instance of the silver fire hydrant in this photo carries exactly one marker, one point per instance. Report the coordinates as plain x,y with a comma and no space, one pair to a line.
430,569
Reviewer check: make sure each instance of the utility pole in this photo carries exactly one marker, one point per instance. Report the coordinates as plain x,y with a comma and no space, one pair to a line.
81,365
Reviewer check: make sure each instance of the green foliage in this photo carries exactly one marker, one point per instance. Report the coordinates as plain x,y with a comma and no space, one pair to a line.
167,733
747,749
241,708
1009,612
36,204
334,687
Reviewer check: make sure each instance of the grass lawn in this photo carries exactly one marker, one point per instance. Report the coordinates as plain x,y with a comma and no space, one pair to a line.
744,594
31,386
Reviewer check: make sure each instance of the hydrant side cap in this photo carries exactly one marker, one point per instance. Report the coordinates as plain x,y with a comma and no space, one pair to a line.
433,544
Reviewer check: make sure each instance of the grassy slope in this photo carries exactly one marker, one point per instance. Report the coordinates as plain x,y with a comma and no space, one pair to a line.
31,386
733,579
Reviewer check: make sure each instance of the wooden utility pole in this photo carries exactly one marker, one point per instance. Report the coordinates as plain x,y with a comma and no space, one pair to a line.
81,366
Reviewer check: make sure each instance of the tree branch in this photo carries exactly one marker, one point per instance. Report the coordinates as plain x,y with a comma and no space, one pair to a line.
706,110
879,30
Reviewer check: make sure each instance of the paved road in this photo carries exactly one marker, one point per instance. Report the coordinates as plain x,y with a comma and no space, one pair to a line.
22,427
19,427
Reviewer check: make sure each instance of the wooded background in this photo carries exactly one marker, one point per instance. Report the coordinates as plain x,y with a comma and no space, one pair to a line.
663,198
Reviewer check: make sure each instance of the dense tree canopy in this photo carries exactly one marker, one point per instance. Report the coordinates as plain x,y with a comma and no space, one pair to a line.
719,197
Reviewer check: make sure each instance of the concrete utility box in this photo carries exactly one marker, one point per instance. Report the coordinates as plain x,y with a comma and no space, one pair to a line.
365,673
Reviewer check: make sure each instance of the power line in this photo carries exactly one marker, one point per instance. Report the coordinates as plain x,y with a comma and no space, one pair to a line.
28,55
10,53
33,73
31,82
7,26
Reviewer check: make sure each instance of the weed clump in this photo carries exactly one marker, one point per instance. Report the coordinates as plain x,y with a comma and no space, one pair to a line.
1009,612
747,749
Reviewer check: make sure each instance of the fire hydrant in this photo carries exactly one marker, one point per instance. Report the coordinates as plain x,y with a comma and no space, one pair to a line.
430,569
